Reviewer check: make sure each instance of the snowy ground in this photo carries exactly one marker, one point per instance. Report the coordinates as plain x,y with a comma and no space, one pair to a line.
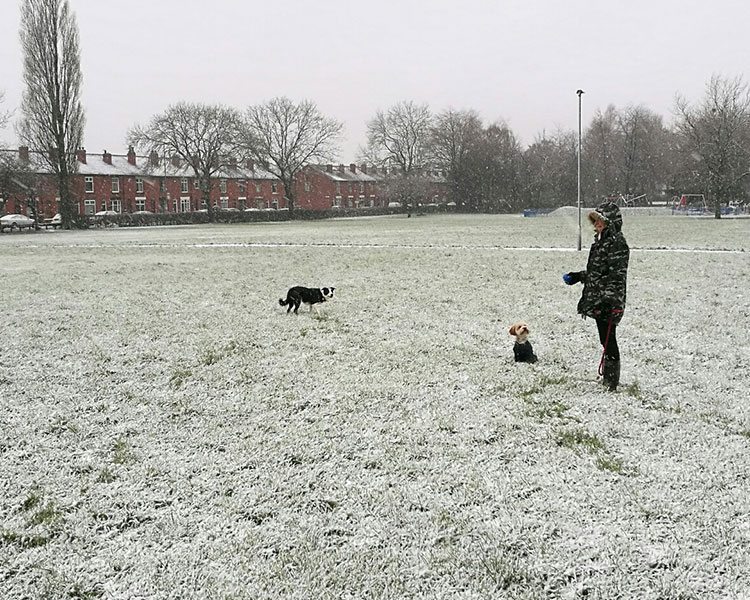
168,431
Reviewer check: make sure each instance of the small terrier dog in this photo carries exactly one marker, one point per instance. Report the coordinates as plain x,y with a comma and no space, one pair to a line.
522,350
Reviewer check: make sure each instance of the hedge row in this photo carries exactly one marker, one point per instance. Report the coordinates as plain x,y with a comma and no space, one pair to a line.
192,218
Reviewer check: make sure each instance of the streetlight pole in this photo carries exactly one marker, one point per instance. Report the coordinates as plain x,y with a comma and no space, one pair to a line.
580,93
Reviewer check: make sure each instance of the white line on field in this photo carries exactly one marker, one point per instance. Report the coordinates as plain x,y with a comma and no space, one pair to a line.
400,246
404,246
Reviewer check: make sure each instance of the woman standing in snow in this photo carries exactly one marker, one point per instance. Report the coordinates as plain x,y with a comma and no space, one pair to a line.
604,285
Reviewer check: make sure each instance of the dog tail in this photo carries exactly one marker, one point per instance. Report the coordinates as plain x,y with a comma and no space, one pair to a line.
283,302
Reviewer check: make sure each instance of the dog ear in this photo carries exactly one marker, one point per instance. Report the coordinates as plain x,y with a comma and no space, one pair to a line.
512,330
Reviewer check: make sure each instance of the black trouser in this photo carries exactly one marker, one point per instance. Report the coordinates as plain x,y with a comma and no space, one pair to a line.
609,343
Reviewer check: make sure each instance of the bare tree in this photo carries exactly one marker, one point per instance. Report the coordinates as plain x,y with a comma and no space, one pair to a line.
601,154
18,180
549,170
202,135
498,168
627,152
645,151
716,136
400,137
400,140
284,136
4,115
52,115
456,139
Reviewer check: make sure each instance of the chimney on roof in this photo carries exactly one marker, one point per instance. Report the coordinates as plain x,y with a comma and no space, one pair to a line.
107,157
374,170
131,155
363,168
353,168
23,153
341,169
153,159
329,168
81,155
175,160
249,165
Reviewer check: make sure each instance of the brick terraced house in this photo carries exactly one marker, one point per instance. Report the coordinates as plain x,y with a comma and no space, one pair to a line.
129,184
321,187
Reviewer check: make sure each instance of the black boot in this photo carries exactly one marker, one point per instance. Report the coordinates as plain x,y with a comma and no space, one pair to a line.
611,374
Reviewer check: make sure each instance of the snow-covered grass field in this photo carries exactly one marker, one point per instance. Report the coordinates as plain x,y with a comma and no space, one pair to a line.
168,431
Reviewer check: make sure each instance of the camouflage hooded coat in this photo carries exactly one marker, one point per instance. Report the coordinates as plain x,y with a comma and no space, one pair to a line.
605,278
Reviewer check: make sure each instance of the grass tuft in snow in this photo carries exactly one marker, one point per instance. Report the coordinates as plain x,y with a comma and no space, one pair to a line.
634,390
122,453
32,500
579,439
47,515
179,377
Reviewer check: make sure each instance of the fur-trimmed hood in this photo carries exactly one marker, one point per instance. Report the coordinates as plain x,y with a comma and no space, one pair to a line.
609,212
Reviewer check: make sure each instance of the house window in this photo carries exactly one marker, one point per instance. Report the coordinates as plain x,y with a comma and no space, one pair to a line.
361,187
115,185
307,185
224,202
140,204
164,185
89,206
273,188
89,184
138,185
104,205
338,187
184,185
185,204
258,188
196,184
116,205
223,186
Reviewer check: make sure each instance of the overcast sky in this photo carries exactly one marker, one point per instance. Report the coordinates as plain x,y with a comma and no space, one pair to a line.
520,61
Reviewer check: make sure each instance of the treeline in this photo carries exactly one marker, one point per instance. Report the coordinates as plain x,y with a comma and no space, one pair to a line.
627,151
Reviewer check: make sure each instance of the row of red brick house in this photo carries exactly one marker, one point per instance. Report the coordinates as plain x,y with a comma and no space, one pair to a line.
129,183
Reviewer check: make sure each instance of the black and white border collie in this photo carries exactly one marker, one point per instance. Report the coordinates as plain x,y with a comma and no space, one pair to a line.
302,295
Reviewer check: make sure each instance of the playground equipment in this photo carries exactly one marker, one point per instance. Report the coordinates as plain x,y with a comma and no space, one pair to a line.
690,204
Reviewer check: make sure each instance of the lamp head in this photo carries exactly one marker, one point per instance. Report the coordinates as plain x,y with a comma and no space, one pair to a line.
579,92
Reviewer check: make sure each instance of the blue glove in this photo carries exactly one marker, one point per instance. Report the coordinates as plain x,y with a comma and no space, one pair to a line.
573,277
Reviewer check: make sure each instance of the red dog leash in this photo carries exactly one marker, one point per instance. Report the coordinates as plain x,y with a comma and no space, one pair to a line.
615,311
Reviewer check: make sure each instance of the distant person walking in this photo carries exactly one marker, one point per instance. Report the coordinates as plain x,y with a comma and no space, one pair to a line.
604,286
